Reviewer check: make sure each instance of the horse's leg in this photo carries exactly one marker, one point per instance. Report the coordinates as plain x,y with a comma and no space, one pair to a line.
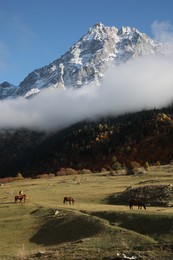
144,206
130,206
17,198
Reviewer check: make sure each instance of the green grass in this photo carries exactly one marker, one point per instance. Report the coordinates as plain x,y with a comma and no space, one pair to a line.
157,226
92,228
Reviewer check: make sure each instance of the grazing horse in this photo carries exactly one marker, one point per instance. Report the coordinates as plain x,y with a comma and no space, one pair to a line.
20,198
137,202
68,199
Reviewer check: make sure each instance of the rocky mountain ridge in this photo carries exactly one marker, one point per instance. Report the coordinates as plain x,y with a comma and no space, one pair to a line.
86,61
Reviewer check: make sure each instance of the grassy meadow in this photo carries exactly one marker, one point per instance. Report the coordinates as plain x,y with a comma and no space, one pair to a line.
92,228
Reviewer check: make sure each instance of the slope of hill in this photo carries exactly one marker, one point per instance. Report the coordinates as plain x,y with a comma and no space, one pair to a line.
92,228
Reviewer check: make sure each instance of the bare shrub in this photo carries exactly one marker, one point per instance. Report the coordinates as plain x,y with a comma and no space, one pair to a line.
85,171
133,167
70,171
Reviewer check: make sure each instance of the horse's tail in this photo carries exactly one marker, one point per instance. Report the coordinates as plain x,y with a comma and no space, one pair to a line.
64,200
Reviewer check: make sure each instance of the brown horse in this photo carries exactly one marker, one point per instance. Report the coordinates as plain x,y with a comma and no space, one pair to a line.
68,199
136,202
20,198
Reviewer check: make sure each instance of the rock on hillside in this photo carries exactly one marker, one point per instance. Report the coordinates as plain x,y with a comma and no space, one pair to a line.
7,90
153,195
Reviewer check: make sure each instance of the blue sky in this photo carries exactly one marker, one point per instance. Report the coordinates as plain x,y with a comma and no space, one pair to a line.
33,33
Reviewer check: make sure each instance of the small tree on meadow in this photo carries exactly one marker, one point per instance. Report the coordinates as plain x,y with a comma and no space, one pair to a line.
116,166
158,163
19,176
146,166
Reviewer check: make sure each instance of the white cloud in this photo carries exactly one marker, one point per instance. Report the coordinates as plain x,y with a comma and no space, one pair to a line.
163,31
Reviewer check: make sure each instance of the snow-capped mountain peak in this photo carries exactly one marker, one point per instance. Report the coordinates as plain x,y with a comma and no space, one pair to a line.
87,60
100,32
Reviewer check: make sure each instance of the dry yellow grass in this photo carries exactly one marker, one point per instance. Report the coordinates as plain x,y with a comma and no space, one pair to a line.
24,225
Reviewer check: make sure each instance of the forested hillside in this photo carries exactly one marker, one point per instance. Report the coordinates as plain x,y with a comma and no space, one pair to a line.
146,136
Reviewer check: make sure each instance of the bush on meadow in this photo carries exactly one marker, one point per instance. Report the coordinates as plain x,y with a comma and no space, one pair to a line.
71,171
19,176
85,171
